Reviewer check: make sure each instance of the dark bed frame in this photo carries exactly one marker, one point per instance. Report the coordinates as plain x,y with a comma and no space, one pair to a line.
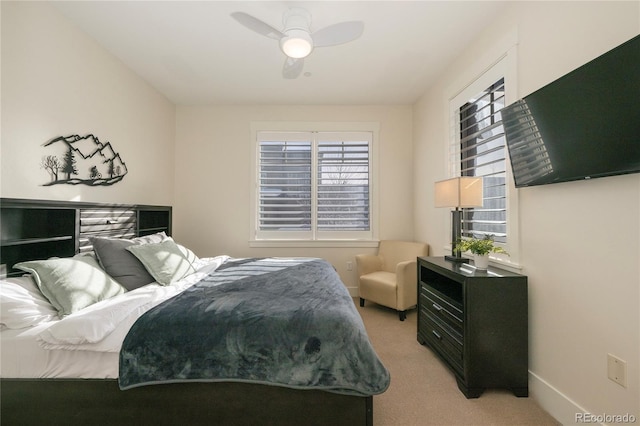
39,229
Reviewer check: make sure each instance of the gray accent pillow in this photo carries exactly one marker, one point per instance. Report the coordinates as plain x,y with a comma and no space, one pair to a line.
123,266
71,284
164,261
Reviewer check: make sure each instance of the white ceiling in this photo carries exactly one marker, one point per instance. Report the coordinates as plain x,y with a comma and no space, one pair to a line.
196,54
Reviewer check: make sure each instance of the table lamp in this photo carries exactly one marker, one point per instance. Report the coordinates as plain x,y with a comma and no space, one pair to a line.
459,192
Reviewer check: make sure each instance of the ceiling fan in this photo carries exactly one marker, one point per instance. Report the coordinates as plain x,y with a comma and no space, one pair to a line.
296,39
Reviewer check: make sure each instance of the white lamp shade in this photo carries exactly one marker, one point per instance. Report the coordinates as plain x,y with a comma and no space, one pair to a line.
297,44
461,192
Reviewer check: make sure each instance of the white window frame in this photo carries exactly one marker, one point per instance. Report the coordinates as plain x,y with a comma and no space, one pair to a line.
505,66
314,238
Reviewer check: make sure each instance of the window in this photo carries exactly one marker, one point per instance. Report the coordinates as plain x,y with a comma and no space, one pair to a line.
482,153
313,185
477,148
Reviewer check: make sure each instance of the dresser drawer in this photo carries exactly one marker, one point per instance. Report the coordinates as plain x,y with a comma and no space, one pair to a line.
438,337
441,309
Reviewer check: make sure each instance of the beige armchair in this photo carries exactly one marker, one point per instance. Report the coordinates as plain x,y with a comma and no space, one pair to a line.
390,277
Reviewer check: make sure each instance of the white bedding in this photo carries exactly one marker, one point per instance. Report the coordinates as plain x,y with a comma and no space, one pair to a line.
86,344
23,357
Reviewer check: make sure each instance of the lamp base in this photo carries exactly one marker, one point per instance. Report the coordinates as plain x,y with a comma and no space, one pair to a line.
456,235
456,259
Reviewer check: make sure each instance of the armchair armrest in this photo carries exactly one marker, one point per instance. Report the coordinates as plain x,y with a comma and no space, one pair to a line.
407,280
368,263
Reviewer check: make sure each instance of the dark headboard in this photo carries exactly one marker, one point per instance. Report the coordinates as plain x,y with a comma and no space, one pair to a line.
39,229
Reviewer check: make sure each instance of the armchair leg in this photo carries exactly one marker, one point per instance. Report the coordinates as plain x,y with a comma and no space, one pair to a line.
361,301
402,315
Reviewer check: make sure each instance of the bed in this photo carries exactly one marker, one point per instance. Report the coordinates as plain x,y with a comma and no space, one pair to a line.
224,341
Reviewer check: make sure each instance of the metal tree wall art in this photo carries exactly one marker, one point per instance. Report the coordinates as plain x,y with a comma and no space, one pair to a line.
83,160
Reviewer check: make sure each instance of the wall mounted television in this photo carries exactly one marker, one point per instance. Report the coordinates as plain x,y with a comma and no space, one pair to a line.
584,125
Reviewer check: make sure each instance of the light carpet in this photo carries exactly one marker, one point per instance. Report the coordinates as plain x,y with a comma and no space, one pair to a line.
423,390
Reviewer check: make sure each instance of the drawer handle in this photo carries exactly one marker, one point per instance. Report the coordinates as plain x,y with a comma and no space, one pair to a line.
435,333
437,307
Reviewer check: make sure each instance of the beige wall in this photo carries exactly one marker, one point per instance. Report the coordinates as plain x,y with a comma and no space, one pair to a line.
579,241
56,81
213,178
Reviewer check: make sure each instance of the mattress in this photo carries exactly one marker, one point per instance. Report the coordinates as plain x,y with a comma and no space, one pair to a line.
23,357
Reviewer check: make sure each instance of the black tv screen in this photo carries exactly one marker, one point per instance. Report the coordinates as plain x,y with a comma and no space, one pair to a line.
584,125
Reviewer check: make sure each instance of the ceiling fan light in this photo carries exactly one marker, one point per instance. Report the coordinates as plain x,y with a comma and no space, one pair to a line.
297,44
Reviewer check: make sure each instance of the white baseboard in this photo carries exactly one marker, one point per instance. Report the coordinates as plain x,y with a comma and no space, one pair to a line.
353,291
560,406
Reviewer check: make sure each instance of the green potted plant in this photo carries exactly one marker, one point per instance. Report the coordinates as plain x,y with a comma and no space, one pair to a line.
480,248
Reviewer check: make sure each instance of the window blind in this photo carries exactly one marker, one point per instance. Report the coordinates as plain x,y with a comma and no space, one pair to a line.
343,186
482,153
285,186
314,185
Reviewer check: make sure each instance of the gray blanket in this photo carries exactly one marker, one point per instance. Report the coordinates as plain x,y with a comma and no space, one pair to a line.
284,322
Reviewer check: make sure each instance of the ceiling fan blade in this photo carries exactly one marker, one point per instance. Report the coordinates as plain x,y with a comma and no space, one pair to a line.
257,25
292,68
343,32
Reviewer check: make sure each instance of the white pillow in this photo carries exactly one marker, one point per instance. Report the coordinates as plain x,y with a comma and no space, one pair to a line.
164,261
23,305
190,255
71,283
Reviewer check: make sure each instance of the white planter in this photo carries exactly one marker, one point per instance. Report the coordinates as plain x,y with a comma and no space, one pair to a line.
481,261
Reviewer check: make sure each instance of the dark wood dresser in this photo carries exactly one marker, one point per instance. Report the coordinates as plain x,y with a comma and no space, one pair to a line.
476,322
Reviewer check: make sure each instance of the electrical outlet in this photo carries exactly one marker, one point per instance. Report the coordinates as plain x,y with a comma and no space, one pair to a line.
349,266
617,370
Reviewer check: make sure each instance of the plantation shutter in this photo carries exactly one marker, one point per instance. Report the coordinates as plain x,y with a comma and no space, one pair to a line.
284,182
343,185
482,153
314,185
